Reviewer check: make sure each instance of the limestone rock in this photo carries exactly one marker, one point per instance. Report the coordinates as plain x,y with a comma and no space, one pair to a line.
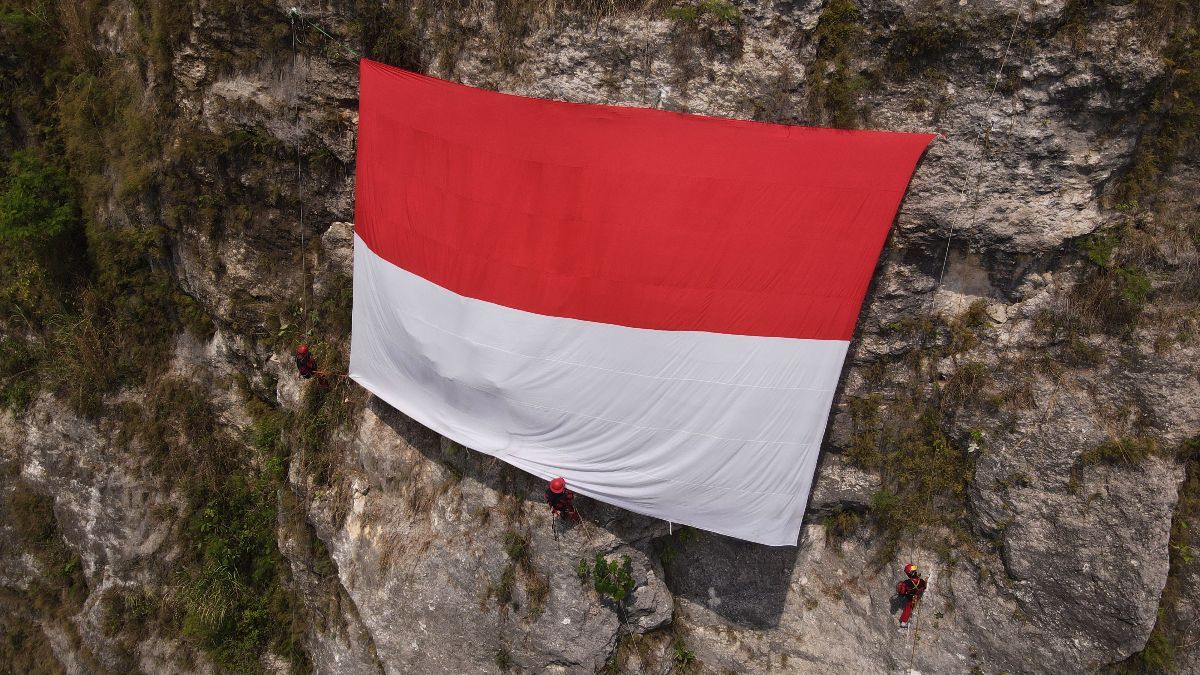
444,560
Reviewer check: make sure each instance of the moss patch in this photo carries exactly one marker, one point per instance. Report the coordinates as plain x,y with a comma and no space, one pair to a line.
902,434
834,84
1172,632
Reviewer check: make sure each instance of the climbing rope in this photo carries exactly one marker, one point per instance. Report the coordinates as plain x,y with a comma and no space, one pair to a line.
304,290
587,528
973,185
984,127
303,473
916,621
295,15
304,311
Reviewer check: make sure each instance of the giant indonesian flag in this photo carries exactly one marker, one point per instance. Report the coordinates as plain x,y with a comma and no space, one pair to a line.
654,305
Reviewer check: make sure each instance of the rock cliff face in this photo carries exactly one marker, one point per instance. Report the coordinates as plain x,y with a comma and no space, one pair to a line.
1009,418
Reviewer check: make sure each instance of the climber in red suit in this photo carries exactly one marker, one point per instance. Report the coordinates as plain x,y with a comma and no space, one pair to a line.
307,366
561,500
911,589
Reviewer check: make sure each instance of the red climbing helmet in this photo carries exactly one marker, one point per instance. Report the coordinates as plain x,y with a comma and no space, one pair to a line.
558,484
910,569
302,349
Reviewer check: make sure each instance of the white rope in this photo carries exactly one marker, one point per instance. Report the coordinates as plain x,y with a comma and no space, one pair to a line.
304,291
303,261
973,185
984,127
294,14
303,507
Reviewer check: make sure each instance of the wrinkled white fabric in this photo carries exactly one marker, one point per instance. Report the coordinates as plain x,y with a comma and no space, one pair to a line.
717,431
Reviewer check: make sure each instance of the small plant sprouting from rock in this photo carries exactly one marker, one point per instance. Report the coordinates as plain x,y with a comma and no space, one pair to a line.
502,588
714,26
918,497
516,546
60,584
834,85
687,534
1112,290
1121,451
839,526
583,570
669,547
1172,118
922,41
613,579
1175,630
714,11
519,549
683,657
503,659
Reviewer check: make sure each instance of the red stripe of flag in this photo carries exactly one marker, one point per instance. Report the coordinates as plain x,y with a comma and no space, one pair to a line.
627,216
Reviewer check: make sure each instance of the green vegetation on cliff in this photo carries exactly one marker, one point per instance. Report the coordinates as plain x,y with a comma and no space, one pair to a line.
89,305
56,590
900,431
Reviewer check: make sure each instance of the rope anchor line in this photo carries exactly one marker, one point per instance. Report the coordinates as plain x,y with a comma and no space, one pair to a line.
294,15
984,128
974,184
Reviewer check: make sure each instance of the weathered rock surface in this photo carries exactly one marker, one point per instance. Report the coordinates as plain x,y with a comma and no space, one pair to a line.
108,513
433,529
442,560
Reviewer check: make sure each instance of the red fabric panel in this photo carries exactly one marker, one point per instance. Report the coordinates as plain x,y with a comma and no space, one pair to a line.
628,216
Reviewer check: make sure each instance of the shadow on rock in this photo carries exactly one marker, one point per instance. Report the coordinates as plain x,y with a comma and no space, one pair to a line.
632,528
742,582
